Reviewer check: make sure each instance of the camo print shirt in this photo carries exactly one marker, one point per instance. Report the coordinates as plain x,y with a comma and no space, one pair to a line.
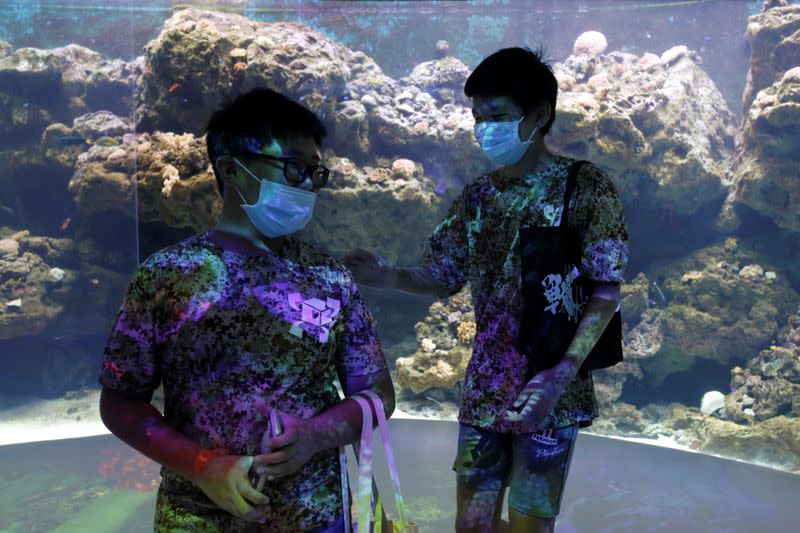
477,242
231,335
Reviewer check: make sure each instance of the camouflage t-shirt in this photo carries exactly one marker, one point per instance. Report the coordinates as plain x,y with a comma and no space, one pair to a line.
231,335
478,242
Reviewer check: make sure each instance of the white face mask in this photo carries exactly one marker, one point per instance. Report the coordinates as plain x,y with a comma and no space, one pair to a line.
280,209
500,141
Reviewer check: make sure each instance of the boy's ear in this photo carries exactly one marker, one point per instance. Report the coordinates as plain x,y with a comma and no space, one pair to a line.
226,167
543,112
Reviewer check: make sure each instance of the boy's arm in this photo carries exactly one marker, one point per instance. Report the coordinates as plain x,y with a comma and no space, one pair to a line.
599,310
140,425
442,269
341,424
373,270
417,280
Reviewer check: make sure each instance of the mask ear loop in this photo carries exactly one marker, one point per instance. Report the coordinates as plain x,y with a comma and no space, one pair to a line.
532,133
251,174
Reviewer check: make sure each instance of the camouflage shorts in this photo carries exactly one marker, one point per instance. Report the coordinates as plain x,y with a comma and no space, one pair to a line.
534,466
172,517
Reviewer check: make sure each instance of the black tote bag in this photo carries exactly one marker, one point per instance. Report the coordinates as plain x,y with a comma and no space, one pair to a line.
554,293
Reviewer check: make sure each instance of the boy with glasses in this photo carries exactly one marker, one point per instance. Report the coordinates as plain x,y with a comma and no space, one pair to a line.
236,322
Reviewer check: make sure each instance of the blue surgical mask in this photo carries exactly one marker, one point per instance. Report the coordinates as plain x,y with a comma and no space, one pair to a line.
500,141
280,209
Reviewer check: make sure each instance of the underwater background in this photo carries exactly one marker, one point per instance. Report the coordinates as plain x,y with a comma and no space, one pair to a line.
692,107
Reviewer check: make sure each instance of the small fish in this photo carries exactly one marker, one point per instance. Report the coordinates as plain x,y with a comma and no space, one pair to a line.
94,281
106,141
71,140
434,401
659,292
4,209
186,93
651,301
440,188
65,224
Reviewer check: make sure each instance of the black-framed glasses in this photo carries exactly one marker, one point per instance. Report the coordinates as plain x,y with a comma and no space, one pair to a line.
296,170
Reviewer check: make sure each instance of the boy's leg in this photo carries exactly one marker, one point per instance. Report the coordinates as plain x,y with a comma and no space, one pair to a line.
522,523
482,466
538,476
478,511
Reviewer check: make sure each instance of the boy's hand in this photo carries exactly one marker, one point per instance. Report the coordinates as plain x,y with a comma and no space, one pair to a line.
224,479
290,450
540,395
370,269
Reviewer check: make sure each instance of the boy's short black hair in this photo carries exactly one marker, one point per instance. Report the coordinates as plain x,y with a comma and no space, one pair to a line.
518,73
255,118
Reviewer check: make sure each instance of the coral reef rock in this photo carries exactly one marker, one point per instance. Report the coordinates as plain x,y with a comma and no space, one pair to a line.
445,347
608,382
287,56
365,110
29,296
723,311
101,127
173,179
590,43
774,442
769,385
766,170
774,48
658,125
443,79
344,216
70,80
712,401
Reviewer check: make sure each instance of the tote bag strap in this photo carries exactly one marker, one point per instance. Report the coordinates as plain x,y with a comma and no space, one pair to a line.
572,178
387,449
364,490
345,488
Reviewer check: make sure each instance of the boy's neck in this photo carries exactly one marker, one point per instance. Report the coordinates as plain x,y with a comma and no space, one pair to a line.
235,222
536,157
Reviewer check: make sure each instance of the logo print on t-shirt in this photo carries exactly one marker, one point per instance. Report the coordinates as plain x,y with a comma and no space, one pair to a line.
315,312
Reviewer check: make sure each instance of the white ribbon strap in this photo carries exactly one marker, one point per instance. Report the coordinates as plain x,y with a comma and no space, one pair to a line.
345,488
387,448
364,465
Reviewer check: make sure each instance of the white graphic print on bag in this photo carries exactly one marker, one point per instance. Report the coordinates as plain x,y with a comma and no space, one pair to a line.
552,214
313,312
559,294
